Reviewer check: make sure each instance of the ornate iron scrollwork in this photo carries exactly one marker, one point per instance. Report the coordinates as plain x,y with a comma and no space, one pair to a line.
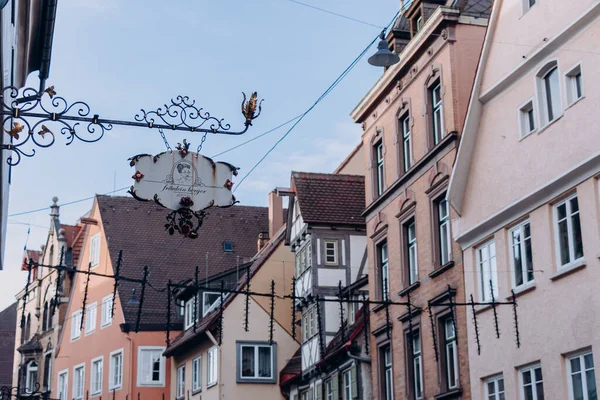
31,116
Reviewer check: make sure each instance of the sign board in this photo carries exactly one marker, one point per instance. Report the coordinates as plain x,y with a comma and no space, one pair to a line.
170,177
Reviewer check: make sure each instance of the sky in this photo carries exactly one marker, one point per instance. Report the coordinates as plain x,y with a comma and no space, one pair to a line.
120,56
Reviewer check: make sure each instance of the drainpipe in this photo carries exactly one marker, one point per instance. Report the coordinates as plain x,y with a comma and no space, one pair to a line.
130,363
220,363
358,358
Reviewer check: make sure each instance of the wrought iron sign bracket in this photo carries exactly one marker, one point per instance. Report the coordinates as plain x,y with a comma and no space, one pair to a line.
29,115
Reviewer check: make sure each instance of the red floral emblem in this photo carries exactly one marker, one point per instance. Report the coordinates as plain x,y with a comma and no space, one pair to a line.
138,176
228,184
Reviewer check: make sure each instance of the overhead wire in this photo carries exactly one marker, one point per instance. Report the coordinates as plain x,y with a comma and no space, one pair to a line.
336,14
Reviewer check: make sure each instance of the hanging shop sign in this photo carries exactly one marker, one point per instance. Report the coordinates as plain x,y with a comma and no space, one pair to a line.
186,182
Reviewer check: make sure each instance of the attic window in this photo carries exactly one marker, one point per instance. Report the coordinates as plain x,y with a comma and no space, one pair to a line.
227,246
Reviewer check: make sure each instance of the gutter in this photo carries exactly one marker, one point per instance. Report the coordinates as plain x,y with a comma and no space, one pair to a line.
358,358
47,34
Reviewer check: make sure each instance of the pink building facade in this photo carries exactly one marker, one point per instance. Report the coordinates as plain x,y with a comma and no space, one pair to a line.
525,188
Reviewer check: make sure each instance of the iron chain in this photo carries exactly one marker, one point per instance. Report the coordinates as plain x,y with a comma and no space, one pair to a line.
201,143
164,138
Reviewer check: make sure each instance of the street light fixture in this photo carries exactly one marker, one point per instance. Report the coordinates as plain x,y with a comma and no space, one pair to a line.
383,57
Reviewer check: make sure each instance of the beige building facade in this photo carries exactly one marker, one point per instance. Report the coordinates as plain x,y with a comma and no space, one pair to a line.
525,188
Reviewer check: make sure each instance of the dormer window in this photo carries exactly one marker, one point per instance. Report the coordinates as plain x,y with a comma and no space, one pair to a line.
227,246
210,300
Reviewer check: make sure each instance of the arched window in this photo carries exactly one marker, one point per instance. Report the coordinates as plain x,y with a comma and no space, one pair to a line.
31,377
45,317
548,87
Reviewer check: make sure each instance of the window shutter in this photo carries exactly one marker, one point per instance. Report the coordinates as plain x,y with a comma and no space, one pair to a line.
295,397
335,385
354,382
319,390
310,394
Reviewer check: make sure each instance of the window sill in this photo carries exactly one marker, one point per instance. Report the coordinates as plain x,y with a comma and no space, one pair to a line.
440,270
451,394
210,385
525,288
106,325
568,269
575,102
195,392
150,385
114,389
526,135
92,395
270,381
409,289
549,124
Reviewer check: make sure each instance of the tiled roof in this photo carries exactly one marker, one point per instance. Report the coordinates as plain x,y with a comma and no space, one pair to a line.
292,370
351,332
330,198
71,232
210,320
137,228
8,327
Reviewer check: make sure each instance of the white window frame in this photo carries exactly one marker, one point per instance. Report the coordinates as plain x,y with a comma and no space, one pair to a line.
91,315
385,269
524,119
106,317
29,385
572,85
406,132
542,94
526,5
191,312
197,378
62,388
161,380
93,381
570,232
347,384
112,385
582,371
412,255
256,348
437,107
522,249
388,371
487,272
76,325
495,380
180,382
417,361
212,366
334,243
450,343
95,250
530,370
443,224
309,323
214,305
379,167
75,395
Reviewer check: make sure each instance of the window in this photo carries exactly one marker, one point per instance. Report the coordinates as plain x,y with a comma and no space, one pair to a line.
331,257
256,362
582,380
532,387
45,317
76,325
568,231
521,254
180,304
443,230
415,366
450,355
387,376
382,251
350,388
549,93
211,366
527,4
31,379
151,366
191,315
115,377
411,251
354,304
180,382
107,305
63,384
527,119
406,141
197,374
494,388
227,246
331,388
419,22
309,323
210,301
96,376
379,177
47,370
90,318
574,85
78,381
95,250
437,112
306,395
486,260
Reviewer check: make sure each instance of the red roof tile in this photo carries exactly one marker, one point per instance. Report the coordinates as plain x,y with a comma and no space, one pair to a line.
330,199
137,228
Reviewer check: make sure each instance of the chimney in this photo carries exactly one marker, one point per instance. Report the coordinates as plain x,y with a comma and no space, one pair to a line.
275,213
263,239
